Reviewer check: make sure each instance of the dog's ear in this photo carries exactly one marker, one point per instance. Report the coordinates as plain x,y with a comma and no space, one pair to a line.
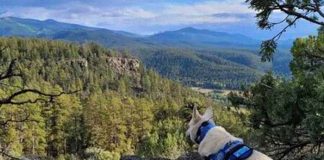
195,113
208,113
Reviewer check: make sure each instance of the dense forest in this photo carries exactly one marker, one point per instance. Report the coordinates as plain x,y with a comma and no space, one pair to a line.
78,100
194,57
110,104
216,69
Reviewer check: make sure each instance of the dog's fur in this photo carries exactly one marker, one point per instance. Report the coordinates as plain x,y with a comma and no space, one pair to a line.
216,137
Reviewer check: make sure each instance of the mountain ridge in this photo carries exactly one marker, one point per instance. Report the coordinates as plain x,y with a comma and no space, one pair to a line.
228,60
50,24
202,38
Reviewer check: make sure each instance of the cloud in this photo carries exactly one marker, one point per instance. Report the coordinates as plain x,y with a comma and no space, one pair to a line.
206,12
122,15
208,8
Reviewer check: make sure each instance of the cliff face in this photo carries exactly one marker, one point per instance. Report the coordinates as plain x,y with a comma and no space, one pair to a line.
125,66
121,65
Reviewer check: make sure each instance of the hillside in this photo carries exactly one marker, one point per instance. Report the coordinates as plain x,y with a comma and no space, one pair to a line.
203,68
116,95
30,27
227,60
12,26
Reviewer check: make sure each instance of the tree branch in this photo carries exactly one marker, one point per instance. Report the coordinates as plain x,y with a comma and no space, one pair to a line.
268,47
10,99
300,145
288,10
318,8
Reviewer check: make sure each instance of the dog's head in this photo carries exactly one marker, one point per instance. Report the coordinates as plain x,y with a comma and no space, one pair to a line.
196,120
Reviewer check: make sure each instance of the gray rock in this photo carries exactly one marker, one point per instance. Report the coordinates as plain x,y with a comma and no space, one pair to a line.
191,156
187,156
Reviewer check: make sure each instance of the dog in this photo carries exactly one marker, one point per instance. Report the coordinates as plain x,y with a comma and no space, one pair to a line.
215,143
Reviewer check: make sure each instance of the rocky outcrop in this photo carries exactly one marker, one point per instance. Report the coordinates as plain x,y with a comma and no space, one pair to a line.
187,156
121,65
128,66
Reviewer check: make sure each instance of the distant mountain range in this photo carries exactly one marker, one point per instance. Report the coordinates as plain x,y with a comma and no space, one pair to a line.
186,37
30,27
204,38
215,59
12,26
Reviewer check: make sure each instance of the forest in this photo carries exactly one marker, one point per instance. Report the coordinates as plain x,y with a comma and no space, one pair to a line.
194,57
102,113
63,96
62,100
214,68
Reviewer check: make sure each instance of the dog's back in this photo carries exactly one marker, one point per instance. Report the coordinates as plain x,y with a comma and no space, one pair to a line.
217,138
212,139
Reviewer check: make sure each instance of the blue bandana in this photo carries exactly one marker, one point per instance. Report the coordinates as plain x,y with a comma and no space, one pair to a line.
202,131
234,150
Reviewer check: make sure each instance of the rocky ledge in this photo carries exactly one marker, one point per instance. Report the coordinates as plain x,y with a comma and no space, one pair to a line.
188,156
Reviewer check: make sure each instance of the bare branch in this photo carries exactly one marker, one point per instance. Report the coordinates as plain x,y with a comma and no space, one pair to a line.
268,47
299,146
288,9
277,37
275,23
10,99
318,8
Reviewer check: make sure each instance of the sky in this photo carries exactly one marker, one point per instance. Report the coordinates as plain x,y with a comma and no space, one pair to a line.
151,16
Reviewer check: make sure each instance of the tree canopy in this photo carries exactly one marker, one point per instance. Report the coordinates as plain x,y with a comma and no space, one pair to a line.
120,107
288,114
293,10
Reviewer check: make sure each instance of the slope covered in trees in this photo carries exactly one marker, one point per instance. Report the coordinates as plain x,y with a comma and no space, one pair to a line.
231,59
204,68
120,108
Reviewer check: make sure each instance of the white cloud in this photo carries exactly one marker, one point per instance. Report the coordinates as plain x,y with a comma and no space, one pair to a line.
122,17
201,13
208,8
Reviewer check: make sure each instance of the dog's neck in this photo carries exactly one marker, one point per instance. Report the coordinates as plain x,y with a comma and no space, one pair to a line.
203,130
194,128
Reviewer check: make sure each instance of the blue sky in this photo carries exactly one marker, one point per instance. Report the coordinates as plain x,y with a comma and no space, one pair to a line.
150,16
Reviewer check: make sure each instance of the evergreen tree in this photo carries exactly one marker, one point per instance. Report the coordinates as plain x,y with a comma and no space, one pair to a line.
288,114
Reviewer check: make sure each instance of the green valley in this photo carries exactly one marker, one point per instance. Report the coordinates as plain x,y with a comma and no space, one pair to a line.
215,59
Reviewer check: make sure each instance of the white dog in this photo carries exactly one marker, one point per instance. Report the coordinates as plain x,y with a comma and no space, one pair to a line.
215,143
